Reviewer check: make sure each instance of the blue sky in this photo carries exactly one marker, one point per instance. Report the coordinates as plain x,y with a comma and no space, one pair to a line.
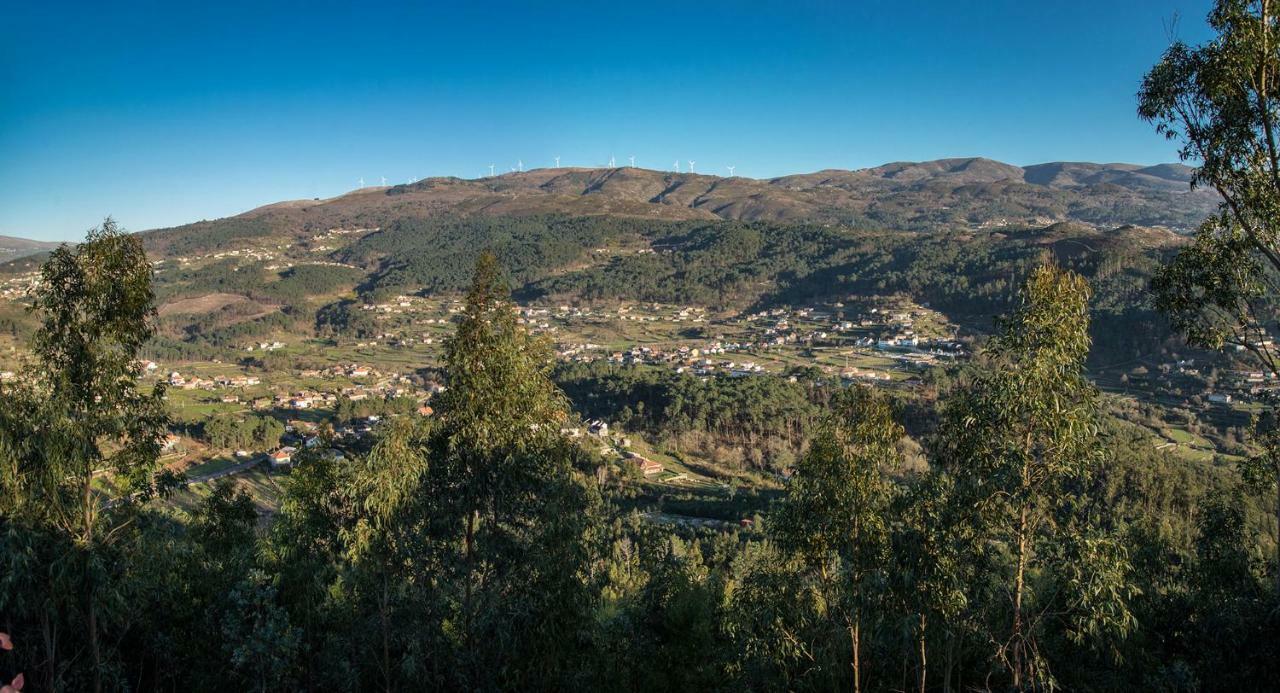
160,115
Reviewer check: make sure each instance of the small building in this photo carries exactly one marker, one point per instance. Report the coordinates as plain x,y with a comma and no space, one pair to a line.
169,443
282,457
646,466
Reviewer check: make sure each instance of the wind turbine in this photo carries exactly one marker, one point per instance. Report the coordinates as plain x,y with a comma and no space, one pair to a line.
691,163
491,170
633,161
677,165
519,165
384,181
362,182
557,162
611,164
730,170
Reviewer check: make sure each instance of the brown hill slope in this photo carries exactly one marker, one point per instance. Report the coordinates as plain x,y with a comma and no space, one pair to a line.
12,248
927,196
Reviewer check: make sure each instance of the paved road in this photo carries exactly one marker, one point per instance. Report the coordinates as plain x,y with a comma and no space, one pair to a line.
236,469
201,478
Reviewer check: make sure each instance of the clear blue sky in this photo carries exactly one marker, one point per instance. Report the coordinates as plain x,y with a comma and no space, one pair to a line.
160,115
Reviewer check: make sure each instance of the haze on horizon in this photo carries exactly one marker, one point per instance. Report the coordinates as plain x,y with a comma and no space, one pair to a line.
160,115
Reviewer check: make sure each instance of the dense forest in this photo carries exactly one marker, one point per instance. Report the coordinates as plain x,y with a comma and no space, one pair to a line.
756,422
969,276
1042,546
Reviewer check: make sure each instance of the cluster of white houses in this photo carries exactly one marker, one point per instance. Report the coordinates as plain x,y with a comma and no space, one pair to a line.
18,287
178,380
349,370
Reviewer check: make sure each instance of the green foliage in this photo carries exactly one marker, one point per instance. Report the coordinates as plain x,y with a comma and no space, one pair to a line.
234,432
77,411
932,550
1045,544
207,236
346,410
834,516
760,413
457,549
344,317
1218,100
435,255
1020,441
506,498
293,286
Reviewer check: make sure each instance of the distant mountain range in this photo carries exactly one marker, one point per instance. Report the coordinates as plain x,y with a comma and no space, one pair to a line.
960,193
937,195
12,248
955,234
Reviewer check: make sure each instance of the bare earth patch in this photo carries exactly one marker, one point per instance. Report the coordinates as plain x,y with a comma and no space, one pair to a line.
201,304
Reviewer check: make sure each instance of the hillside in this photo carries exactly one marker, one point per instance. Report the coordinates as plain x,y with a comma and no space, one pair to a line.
12,248
955,234
927,196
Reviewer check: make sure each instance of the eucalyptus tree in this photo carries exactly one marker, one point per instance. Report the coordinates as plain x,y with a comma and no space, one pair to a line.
1219,101
778,625
388,548
1020,441
77,416
1231,614
932,560
505,494
834,516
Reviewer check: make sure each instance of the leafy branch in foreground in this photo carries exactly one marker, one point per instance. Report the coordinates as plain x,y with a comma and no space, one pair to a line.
1219,100
78,413
1022,442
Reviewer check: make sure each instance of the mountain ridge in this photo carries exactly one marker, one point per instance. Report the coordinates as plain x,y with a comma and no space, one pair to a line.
972,191
943,194
13,247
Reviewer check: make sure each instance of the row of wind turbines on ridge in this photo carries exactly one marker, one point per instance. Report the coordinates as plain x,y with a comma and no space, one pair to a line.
519,168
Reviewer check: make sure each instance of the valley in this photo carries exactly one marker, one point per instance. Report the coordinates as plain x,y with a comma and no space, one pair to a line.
324,330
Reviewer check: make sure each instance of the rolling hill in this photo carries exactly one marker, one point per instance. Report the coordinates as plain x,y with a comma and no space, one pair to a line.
956,234
12,248
946,194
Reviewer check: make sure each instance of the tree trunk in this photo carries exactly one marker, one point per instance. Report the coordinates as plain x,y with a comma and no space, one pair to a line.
855,638
93,643
1016,638
950,663
91,606
924,662
386,636
51,650
469,548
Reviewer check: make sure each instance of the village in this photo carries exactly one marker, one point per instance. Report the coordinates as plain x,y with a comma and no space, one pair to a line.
330,392
338,390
